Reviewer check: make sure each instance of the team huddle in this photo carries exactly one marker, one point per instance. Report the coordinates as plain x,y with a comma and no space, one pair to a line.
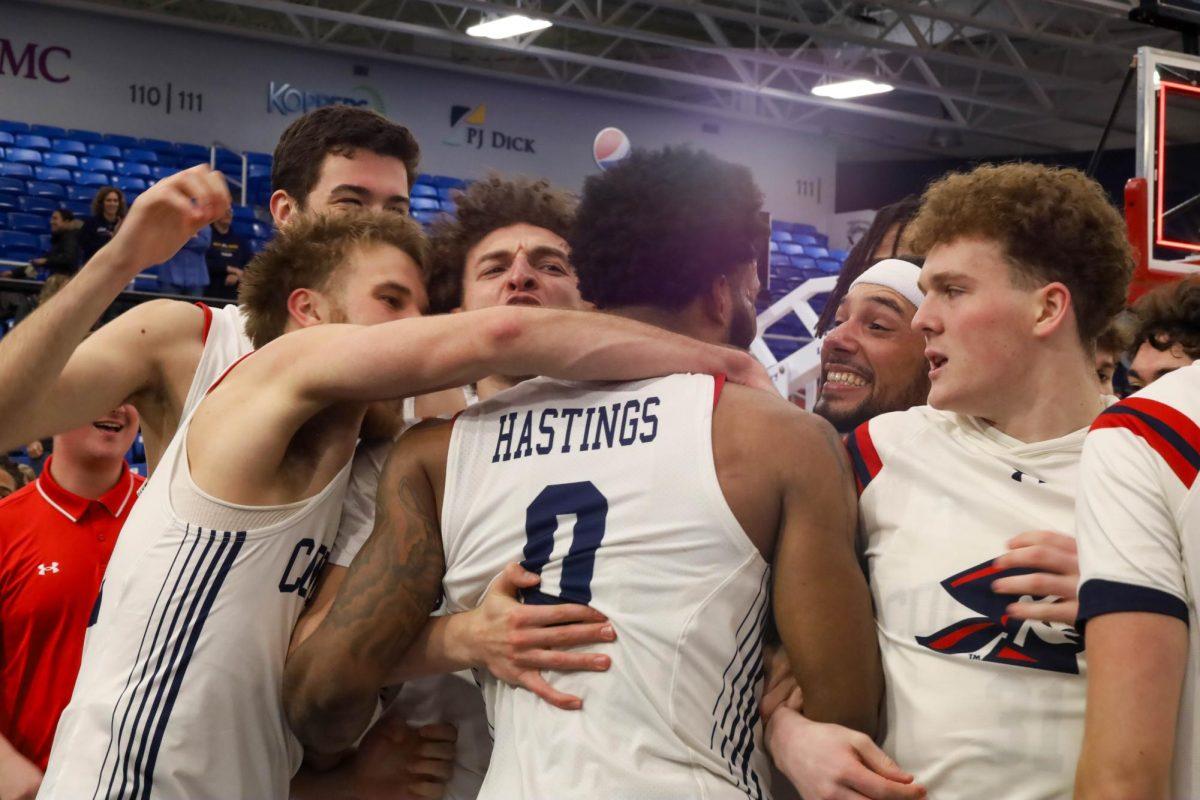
508,511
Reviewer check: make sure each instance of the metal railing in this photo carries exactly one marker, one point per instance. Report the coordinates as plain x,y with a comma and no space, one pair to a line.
801,369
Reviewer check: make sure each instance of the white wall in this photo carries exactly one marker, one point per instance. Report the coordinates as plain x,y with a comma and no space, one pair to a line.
92,82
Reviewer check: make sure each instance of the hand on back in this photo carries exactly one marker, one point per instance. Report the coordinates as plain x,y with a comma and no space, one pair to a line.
167,215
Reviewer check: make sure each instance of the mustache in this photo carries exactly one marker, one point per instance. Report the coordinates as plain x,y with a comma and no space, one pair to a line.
834,361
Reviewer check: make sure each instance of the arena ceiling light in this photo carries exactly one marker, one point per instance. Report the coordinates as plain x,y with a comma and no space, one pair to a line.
506,27
844,90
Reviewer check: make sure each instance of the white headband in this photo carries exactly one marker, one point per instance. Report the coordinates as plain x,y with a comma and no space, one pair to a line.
895,274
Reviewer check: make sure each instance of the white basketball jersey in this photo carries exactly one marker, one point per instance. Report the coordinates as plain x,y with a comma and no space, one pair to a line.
979,704
609,491
179,691
1139,529
225,341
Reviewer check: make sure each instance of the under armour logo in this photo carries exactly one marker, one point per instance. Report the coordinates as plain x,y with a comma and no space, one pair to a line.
46,569
1025,477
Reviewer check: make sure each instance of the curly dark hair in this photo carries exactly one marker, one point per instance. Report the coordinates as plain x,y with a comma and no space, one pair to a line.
1052,223
862,255
1170,315
101,195
307,253
660,226
489,205
337,130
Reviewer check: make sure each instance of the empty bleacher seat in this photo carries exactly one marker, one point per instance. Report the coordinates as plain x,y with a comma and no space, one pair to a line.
104,150
259,158
156,145
119,140
258,171
28,140
804,263
12,126
780,260
449,206
839,254
424,204
800,227
447,182
95,179
137,154
96,164
774,246
805,239
11,185
830,266
31,223
423,216
72,146
258,245
80,208
781,236
46,189
83,135
23,155
57,174
160,172
11,202
66,160
10,240
197,151
250,229
44,242
7,139
49,131
133,170
424,190
79,192
244,213
131,185
791,248
9,170
447,192
816,252
36,205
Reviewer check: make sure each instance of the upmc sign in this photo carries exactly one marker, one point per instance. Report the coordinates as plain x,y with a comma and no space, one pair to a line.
33,61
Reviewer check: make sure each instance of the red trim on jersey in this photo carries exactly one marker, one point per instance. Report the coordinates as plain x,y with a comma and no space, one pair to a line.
864,458
1173,435
951,639
207,322
979,573
718,386
1013,655
228,370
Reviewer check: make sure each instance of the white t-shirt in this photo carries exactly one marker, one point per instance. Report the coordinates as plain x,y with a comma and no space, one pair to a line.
978,704
1139,528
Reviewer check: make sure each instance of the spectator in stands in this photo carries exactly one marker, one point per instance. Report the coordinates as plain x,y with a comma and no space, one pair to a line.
108,209
872,361
227,257
1168,331
186,272
11,479
63,256
56,536
884,239
1111,344
37,452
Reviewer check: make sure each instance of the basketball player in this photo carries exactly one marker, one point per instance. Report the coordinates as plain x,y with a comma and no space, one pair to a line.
872,361
1025,267
161,356
1168,331
242,513
679,509
1139,529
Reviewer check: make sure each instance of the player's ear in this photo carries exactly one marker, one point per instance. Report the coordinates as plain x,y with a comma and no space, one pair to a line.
717,302
283,207
1053,308
308,307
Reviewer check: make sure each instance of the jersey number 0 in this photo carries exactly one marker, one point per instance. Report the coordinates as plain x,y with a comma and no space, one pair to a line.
590,509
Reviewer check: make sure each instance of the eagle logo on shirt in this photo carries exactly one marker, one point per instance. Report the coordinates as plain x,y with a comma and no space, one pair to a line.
997,637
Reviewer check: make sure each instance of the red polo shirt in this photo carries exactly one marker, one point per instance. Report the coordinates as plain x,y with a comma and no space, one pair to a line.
54,548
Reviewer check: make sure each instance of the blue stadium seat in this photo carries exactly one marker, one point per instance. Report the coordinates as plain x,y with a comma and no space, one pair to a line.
136,154
447,182
822,239
37,205
800,227
14,127
447,192
56,174
780,236
19,155
80,208
12,202
258,245
779,260
449,206
816,252
830,266
80,193
49,131
774,246
17,239
95,179
259,158
28,140
15,170
424,190
104,150
120,140
839,254
258,171
46,189
160,172
791,248
805,239
44,242
196,151
156,145
424,217
131,186
132,170
804,263
424,204
11,185
73,146
96,164
7,139
84,136
65,160
30,223
244,212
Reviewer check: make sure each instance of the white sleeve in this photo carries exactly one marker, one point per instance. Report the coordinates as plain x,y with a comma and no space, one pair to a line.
1130,554
358,511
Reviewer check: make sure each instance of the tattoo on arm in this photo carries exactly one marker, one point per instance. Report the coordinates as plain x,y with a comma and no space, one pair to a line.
333,679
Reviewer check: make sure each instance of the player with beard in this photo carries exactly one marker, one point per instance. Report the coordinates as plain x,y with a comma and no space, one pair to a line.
872,360
1025,266
679,509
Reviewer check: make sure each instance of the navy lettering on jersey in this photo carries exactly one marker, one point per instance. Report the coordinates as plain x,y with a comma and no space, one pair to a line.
302,577
590,508
523,434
